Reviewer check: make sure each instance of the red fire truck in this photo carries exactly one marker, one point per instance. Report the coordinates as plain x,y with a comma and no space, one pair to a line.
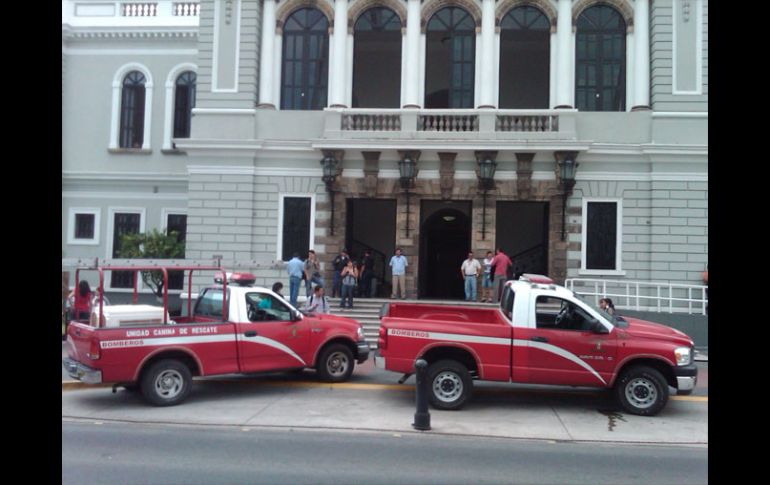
234,327
541,333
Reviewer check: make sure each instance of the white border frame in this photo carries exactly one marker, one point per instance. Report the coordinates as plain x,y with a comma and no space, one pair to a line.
618,271
164,213
173,211
279,231
71,239
117,90
168,121
697,17
111,211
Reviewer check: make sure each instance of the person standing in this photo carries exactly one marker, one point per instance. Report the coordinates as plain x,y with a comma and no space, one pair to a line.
312,273
501,262
338,264
470,270
607,305
367,273
349,275
80,303
486,280
277,287
398,264
318,302
295,267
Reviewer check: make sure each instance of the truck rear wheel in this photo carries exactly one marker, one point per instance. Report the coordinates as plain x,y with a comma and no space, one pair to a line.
335,363
642,391
166,383
450,384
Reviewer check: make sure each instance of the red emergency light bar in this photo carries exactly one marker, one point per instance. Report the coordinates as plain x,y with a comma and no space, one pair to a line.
536,278
240,279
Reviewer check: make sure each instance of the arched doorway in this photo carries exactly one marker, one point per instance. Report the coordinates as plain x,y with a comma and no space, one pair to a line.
445,237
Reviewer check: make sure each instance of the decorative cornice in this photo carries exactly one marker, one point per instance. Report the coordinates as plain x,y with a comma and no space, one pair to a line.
120,33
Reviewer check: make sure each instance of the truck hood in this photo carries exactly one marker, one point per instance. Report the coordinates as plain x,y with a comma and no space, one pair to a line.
644,329
335,320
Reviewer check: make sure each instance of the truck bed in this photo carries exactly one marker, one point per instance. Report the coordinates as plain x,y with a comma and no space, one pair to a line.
445,313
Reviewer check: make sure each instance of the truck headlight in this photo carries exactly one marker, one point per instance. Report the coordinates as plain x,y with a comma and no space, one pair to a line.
360,333
683,355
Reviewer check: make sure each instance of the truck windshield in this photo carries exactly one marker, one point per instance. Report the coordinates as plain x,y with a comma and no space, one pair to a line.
613,319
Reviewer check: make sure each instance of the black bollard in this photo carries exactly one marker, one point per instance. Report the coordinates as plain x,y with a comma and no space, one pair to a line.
422,416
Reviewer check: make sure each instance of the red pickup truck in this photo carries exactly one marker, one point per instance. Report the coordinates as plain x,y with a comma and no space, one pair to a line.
541,333
237,328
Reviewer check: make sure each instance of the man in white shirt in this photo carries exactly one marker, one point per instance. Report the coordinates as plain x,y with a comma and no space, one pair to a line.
318,302
470,271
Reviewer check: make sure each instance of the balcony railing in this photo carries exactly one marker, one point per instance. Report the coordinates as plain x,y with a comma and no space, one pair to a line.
137,13
438,121
187,9
446,123
139,10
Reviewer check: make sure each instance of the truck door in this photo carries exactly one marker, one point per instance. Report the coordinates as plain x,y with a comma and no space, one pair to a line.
564,349
270,338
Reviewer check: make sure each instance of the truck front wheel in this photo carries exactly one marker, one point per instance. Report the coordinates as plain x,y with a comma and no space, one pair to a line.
335,363
166,383
642,390
450,384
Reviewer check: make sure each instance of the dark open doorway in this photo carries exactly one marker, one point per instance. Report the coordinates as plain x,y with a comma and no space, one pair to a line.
522,233
371,224
445,238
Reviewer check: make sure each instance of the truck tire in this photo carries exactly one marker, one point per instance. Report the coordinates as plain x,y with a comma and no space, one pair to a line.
335,363
450,385
166,383
642,390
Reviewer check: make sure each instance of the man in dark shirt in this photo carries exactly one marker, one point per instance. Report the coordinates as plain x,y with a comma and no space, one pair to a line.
339,262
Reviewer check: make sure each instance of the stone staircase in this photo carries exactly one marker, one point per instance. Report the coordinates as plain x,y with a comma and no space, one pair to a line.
367,312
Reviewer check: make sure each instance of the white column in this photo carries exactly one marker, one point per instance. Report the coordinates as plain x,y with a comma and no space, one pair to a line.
487,54
564,49
552,72
349,66
642,54
338,76
266,59
630,72
412,87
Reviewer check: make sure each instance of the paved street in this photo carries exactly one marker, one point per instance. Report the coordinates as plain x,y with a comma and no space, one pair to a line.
373,400
116,453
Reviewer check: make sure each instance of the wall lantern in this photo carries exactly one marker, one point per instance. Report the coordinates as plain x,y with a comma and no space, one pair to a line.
486,176
567,168
329,167
407,170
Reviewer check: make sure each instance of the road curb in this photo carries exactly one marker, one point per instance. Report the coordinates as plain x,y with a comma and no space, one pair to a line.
434,432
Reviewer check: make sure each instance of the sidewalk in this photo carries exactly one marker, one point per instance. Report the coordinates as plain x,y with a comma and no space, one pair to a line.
495,410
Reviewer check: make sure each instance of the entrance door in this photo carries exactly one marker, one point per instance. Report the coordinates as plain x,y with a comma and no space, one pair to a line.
371,224
445,238
522,233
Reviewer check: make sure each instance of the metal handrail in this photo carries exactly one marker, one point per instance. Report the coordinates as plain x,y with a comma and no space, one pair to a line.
657,294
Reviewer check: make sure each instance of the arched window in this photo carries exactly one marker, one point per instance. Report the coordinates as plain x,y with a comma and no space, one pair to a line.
304,75
377,59
450,59
600,60
132,110
525,57
184,102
